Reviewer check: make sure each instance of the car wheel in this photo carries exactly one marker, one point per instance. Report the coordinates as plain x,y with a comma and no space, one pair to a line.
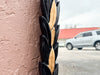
69,46
97,45
79,48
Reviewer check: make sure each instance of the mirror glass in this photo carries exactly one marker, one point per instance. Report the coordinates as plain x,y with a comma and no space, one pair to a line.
79,13
76,56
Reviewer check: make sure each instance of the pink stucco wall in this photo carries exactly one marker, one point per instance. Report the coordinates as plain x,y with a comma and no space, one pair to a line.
19,37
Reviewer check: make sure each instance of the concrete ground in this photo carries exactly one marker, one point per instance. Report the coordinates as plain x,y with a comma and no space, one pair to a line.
79,62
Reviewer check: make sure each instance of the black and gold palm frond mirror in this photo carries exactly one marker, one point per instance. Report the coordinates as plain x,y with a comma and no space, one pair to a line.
50,31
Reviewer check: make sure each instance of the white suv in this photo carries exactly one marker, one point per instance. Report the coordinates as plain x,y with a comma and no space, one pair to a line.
85,39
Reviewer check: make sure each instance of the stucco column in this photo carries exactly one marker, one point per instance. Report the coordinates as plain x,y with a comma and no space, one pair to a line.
19,37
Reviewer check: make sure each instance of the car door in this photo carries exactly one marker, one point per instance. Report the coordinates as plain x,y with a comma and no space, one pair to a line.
83,39
87,38
78,40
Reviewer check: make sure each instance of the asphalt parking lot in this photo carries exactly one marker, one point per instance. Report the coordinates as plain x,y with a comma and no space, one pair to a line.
79,62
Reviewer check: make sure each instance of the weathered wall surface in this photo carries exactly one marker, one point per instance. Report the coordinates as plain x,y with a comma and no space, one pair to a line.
19,37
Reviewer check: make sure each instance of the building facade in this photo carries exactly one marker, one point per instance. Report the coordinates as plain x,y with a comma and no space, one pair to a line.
19,37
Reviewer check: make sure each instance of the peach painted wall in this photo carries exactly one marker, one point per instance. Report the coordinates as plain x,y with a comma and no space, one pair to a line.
19,37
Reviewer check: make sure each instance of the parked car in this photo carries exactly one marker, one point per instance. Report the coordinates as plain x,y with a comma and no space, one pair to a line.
85,39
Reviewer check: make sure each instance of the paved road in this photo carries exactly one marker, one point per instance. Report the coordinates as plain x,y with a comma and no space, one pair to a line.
79,62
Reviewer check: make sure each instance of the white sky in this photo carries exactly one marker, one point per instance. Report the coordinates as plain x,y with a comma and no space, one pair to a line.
83,13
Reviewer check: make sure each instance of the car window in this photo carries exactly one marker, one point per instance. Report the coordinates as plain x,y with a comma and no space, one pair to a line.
79,36
98,32
87,34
